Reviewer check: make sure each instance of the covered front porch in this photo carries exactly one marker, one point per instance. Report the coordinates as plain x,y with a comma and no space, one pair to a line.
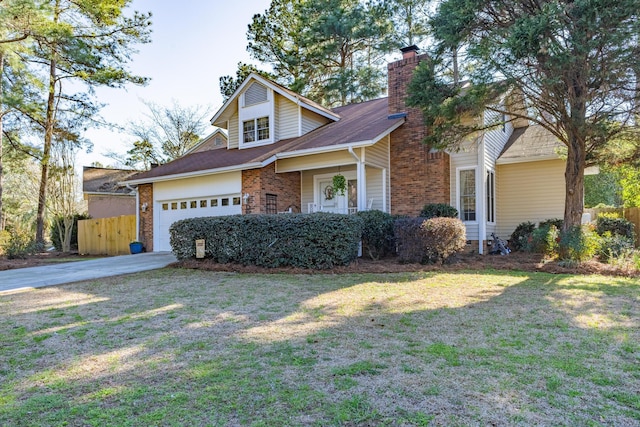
365,172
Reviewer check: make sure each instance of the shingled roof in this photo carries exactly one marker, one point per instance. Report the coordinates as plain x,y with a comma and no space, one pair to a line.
359,125
530,143
104,180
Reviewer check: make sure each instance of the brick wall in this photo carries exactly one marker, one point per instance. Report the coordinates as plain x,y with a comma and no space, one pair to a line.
260,182
145,192
418,176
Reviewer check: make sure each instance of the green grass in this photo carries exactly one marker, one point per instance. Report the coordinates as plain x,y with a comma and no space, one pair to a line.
180,347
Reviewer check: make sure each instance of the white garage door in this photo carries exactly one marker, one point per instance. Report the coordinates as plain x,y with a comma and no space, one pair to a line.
174,210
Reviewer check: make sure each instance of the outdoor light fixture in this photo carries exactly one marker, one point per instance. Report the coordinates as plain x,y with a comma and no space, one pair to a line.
144,206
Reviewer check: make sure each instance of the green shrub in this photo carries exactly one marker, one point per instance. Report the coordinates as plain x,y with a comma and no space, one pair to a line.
521,235
438,210
428,240
613,247
613,214
319,240
377,233
556,222
578,244
618,226
20,244
544,240
55,232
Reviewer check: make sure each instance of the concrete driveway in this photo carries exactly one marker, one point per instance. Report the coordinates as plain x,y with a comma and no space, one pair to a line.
57,274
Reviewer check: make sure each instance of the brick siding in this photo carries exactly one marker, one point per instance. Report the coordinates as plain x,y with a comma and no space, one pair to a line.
418,176
145,192
260,182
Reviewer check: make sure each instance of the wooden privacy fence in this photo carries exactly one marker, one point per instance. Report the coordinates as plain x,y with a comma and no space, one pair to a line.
631,214
106,236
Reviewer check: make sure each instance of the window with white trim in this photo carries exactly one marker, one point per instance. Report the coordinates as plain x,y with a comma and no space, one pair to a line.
255,130
467,195
491,196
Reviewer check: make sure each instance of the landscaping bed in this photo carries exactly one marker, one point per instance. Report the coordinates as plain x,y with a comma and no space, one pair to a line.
515,261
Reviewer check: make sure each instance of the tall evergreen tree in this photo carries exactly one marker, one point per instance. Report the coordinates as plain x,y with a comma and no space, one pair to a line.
574,62
329,50
88,42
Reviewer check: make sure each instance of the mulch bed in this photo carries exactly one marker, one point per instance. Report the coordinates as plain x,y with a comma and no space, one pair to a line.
513,261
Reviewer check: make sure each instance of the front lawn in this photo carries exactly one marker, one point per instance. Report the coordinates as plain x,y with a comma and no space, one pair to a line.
185,347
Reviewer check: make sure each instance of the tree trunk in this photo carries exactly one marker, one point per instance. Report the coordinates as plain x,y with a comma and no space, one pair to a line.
456,71
46,152
574,183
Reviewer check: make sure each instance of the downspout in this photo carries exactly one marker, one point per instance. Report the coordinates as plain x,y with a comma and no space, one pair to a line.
135,190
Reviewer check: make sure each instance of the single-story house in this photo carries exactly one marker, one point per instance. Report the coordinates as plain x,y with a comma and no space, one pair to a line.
283,150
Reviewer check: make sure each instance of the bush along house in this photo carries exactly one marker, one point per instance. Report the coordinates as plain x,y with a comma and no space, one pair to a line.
286,153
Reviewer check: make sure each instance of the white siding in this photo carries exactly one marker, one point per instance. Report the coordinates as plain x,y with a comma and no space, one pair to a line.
494,142
224,183
311,121
378,154
315,161
466,158
287,123
234,138
532,191
375,188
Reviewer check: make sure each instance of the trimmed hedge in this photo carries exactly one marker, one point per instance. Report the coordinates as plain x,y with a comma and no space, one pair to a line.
377,233
318,241
428,240
437,210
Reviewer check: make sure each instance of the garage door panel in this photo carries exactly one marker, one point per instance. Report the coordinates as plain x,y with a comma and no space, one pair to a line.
175,210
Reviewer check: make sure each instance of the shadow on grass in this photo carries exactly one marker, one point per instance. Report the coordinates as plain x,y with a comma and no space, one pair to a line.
176,347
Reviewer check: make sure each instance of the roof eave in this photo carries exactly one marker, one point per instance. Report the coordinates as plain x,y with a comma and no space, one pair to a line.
512,160
195,174
339,147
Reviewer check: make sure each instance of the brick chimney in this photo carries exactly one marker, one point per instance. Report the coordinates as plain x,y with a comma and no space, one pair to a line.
418,174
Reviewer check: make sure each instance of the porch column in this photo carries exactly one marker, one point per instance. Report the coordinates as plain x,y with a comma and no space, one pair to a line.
384,190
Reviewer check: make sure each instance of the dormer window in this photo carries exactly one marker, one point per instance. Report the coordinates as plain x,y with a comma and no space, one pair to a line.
255,130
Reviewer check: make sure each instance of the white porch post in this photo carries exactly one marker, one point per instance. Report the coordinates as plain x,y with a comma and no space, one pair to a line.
384,190
361,177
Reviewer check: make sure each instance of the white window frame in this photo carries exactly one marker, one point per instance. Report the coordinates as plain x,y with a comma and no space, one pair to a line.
256,130
490,195
459,193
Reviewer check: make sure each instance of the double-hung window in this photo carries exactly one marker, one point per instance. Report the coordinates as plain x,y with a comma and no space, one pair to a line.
255,130
468,195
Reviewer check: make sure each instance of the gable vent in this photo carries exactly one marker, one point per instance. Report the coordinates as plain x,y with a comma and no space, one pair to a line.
256,94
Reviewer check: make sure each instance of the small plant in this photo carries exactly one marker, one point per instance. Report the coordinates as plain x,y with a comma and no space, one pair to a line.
339,184
20,244
619,226
521,235
544,240
613,247
578,244
438,210
556,222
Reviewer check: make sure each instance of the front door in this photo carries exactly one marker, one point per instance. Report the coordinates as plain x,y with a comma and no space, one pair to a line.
330,200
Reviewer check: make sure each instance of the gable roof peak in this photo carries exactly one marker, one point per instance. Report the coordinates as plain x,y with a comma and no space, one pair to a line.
287,93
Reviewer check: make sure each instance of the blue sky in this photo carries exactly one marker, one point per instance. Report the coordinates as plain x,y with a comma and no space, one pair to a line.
194,42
